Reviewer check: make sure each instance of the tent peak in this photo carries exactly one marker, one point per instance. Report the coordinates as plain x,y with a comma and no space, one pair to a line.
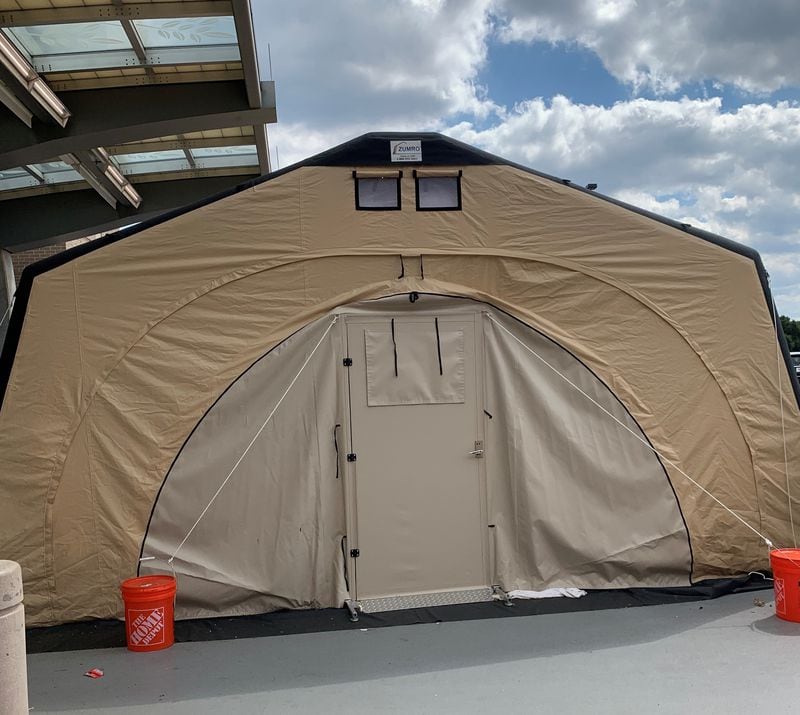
377,149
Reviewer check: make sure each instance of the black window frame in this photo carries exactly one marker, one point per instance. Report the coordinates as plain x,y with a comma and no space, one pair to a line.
457,177
397,176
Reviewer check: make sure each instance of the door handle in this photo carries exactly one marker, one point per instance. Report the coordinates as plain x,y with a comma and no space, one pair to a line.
478,451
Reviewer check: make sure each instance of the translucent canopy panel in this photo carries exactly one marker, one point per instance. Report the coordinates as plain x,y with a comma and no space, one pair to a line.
71,38
53,172
57,172
150,156
94,46
15,179
12,173
227,160
216,151
151,162
222,156
184,31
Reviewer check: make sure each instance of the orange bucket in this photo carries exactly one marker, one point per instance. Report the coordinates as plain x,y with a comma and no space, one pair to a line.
786,572
149,612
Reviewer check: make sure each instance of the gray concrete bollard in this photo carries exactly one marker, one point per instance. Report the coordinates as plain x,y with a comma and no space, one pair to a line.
13,668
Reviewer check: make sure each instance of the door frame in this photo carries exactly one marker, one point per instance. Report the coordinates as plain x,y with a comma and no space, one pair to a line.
350,470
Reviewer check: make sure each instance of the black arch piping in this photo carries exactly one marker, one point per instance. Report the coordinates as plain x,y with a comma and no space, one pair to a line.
447,295
363,151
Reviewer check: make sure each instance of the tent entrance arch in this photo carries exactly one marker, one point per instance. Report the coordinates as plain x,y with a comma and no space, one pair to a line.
418,497
572,499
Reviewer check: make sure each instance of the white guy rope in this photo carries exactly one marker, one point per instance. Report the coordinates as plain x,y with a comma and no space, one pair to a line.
252,441
628,429
169,563
781,367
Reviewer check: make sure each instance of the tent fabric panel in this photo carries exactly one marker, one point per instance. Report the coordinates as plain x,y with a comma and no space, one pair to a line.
150,402
664,399
168,353
33,444
275,529
182,351
196,594
575,500
316,202
707,295
75,552
160,274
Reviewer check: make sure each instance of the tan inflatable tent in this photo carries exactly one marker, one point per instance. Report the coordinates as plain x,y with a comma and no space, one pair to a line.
401,371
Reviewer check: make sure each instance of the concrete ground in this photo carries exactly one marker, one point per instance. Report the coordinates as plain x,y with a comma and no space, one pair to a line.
723,656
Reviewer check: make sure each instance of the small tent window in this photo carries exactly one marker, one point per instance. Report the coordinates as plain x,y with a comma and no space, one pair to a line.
438,193
377,193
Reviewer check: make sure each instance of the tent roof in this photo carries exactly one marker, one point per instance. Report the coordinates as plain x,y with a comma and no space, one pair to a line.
367,150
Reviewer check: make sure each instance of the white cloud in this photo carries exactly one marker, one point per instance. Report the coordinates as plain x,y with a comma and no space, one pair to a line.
354,62
731,173
659,145
351,67
662,45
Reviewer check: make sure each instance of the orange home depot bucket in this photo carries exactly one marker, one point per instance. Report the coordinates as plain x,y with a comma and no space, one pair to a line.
786,571
149,612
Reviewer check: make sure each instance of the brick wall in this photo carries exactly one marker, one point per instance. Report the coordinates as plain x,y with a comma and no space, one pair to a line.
24,258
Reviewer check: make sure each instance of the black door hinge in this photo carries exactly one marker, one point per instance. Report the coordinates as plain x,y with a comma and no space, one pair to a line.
355,553
347,362
351,457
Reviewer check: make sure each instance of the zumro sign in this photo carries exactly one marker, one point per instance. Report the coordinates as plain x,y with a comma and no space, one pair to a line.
406,150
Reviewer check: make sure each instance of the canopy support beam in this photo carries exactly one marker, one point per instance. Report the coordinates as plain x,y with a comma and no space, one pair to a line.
106,117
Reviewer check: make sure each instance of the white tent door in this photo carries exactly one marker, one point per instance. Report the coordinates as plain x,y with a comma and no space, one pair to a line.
417,495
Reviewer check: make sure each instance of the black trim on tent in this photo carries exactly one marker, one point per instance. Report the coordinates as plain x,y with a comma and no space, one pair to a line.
367,150
90,635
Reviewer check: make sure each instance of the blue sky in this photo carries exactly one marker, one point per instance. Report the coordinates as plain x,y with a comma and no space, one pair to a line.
517,71
688,109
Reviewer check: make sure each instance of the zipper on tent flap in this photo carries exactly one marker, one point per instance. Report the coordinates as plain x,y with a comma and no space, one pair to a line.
344,563
394,347
438,345
336,447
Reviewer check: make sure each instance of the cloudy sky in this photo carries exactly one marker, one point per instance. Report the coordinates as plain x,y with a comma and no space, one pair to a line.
690,108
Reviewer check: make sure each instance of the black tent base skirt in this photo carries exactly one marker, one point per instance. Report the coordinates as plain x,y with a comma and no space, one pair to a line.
111,634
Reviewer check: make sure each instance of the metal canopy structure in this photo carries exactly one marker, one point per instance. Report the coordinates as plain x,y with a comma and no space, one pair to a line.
112,111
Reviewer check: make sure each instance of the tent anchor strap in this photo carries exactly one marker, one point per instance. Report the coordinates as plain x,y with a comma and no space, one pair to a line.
355,609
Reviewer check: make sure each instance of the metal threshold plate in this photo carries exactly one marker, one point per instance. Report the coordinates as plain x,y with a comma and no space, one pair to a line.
426,600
